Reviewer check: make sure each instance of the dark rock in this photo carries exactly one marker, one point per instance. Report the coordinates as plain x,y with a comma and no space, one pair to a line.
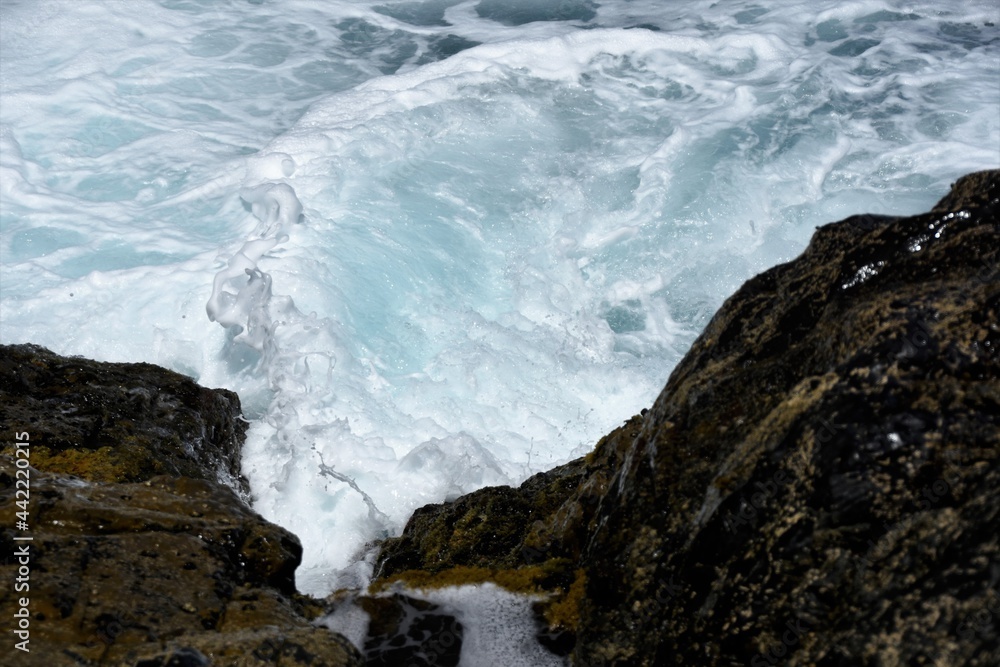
412,632
817,484
487,528
154,572
118,422
125,566
184,657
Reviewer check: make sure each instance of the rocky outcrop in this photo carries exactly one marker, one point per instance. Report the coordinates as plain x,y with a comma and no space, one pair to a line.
485,529
818,482
122,544
118,422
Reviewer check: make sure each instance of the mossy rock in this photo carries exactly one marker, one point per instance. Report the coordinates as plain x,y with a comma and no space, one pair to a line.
107,422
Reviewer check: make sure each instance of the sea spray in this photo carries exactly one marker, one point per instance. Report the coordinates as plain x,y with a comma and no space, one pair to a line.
515,222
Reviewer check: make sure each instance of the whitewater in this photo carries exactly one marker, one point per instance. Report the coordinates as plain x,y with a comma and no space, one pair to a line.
440,245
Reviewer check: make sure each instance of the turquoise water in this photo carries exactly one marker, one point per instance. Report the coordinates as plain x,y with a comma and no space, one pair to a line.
479,235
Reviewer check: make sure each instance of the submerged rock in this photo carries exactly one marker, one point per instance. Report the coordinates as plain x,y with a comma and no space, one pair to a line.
119,564
407,631
818,482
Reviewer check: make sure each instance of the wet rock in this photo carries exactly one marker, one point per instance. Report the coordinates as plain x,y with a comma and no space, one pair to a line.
137,573
117,422
488,528
412,632
121,565
817,484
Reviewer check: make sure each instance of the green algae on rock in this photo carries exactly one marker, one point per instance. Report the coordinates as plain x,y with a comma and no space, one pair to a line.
487,528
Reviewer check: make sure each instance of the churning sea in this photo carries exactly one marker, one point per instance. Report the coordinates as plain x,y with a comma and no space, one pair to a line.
437,245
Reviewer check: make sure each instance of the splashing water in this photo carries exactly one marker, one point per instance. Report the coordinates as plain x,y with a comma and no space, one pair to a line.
450,243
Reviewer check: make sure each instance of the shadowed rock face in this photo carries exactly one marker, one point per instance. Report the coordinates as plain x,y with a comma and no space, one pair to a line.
818,483
127,566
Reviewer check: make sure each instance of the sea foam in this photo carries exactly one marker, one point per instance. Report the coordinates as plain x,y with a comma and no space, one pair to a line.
448,246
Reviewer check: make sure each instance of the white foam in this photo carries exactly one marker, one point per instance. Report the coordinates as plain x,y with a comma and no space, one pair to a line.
503,252
497,626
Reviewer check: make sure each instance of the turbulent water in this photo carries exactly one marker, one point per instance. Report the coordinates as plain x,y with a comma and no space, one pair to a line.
450,243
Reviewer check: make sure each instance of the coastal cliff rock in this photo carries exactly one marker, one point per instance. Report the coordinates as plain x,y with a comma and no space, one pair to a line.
817,484
132,550
118,422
